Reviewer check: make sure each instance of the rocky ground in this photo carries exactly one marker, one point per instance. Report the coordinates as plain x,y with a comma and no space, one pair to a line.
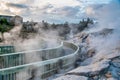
93,65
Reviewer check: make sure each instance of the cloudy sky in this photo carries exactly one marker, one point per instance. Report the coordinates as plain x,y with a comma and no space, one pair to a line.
57,11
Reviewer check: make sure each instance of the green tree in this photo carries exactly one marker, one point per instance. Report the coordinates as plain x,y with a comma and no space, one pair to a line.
4,21
84,24
4,27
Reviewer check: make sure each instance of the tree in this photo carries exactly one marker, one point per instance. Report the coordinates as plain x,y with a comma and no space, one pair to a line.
53,26
66,27
84,24
64,30
4,21
45,25
4,27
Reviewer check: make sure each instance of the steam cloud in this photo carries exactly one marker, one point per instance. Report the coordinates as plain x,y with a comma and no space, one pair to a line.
108,18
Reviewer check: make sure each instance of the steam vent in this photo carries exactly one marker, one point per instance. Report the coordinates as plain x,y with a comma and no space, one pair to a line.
15,66
59,39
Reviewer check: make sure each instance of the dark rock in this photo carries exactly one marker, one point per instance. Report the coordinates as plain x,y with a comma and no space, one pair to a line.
116,62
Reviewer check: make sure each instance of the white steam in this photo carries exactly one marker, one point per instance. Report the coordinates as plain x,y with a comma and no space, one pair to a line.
108,18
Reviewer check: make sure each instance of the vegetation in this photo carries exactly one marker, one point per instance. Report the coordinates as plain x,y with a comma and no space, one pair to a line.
45,25
54,26
84,24
30,28
4,27
64,29
27,28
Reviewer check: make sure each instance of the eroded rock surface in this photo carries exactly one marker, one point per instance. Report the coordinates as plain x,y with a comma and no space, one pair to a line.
93,65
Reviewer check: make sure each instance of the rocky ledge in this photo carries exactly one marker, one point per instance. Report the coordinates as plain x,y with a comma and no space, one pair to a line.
104,65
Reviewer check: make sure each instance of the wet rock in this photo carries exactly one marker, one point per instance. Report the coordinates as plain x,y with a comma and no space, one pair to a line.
116,62
102,78
114,68
114,72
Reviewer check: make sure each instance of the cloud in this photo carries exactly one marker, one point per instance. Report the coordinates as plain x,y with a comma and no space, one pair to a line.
7,8
91,10
107,14
70,10
95,10
16,5
6,12
66,11
94,1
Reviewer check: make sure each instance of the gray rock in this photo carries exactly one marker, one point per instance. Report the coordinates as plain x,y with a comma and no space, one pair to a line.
116,62
86,62
111,79
90,70
71,77
115,72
